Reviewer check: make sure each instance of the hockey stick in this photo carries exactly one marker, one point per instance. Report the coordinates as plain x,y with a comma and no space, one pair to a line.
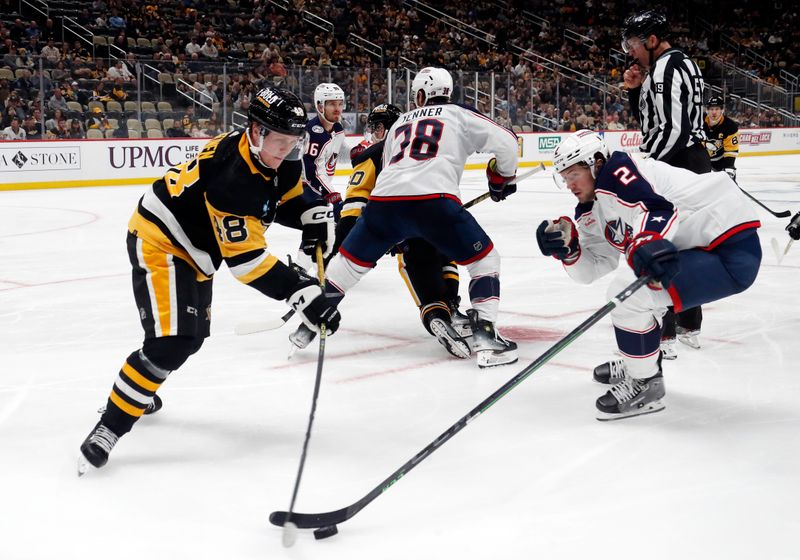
484,196
289,528
329,519
783,214
265,325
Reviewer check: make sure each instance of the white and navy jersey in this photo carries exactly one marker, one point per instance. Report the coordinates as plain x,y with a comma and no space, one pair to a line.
319,161
426,149
670,106
644,195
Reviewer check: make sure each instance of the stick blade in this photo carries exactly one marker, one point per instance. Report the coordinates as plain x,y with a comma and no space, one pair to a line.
309,520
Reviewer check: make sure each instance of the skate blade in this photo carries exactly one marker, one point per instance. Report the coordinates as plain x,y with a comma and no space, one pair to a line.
458,348
488,358
690,341
649,408
84,465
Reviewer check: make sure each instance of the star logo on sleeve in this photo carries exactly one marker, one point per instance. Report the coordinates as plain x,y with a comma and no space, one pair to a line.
658,219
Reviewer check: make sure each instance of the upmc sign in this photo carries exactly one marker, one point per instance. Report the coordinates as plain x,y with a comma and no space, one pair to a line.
150,156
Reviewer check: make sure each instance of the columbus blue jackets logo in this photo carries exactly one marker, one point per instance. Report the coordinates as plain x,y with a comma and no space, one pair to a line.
618,233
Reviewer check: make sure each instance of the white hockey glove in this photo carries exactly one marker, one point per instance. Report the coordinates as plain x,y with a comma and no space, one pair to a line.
314,308
318,227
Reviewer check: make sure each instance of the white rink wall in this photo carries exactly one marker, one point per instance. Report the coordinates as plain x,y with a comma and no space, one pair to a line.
113,162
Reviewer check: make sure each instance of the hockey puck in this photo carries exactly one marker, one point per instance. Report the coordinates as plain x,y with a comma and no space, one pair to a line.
325,532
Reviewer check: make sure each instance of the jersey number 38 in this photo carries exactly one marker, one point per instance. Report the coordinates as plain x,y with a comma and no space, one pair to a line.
426,134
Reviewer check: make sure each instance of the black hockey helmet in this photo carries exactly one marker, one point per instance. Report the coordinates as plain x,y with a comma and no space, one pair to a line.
385,114
644,24
279,110
716,101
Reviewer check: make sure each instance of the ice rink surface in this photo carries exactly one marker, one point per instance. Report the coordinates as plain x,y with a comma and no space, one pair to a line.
715,475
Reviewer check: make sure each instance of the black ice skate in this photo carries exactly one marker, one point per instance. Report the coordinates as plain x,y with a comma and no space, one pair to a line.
449,338
610,373
491,348
632,397
96,447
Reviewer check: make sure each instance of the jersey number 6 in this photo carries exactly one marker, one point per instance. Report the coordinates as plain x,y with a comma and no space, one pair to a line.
425,145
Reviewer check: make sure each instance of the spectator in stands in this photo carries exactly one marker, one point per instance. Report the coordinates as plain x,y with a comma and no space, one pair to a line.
57,100
60,73
61,131
75,129
33,31
51,54
189,121
192,47
14,131
52,123
118,92
277,68
212,127
209,50
11,58
41,81
613,122
97,120
14,108
116,21
24,60
119,72
567,123
32,128
23,85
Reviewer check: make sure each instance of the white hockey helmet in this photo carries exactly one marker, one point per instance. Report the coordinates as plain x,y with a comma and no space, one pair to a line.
579,147
328,92
434,82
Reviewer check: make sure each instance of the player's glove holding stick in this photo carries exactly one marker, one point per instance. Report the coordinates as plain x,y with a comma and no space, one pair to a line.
318,227
500,186
559,239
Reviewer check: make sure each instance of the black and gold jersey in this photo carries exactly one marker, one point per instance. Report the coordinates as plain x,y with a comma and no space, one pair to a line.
722,143
366,167
218,206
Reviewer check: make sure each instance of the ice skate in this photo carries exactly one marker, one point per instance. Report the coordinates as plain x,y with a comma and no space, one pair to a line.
689,337
300,338
669,349
95,448
449,338
460,323
490,348
610,373
632,397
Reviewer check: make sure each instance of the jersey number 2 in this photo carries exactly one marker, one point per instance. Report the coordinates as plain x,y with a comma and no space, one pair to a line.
624,175
425,144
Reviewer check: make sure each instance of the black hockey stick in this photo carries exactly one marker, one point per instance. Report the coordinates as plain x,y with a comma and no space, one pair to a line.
484,196
290,530
332,518
783,214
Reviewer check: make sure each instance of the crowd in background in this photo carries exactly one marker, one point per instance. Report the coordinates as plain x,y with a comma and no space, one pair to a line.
86,87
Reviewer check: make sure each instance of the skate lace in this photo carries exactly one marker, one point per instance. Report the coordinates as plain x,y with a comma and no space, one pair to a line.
104,438
616,369
625,389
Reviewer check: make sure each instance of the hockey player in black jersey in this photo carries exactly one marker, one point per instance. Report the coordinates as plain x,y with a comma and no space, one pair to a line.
722,135
216,207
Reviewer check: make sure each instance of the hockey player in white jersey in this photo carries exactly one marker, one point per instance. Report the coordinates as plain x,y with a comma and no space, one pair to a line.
694,235
417,196
325,140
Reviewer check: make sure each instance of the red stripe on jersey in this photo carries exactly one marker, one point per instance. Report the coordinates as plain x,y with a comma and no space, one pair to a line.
356,260
478,256
414,197
676,298
730,233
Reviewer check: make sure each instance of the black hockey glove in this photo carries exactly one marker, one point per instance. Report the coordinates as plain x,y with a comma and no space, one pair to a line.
651,254
318,227
559,239
499,186
314,308
794,227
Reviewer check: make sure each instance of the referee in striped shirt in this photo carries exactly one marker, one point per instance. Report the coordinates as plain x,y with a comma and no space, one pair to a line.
668,103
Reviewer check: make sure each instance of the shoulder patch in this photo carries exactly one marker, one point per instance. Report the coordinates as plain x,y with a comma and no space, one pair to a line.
317,128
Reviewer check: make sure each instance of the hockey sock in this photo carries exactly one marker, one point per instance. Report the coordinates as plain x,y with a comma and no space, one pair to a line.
138,381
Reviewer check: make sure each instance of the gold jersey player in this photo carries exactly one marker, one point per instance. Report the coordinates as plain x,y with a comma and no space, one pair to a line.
211,209
723,137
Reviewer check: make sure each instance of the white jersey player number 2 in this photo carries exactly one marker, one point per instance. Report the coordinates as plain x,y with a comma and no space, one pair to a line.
423,136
